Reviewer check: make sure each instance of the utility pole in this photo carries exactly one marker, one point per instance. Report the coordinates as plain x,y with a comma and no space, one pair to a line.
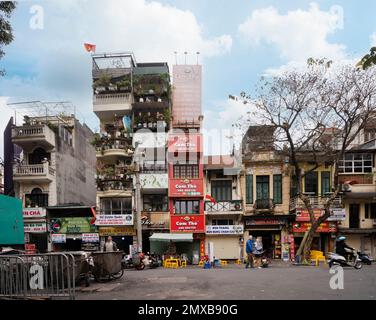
138,199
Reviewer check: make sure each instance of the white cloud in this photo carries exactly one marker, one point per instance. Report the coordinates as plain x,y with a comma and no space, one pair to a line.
62,68
373,39
298,34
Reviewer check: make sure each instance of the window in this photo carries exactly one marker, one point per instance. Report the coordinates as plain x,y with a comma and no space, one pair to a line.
221,190
311,183
249,188
356,163
370,210
36,198
222,222
277,188
38,156
293,187
186,171
325,182
262,187
155,202
116,205
187,207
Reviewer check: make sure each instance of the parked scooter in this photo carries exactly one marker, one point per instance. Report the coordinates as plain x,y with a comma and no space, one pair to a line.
134,261
150,261
336,259
261,255
366,259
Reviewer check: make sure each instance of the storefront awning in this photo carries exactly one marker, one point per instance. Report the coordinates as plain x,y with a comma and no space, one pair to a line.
174,237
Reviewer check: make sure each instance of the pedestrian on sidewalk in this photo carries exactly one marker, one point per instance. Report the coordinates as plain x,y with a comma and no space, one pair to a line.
249,251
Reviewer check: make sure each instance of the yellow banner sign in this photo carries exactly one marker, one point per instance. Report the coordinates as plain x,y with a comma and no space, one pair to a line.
116,231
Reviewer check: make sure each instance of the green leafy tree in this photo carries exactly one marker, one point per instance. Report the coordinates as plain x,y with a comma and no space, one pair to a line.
368,60
6,30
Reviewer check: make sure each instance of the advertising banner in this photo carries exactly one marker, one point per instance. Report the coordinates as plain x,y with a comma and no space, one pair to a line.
114,220
34,212
37,227
185,143
58,238
326,227
186,188
90,237
229,229
187,93
116,231
188,223
337,214
72,225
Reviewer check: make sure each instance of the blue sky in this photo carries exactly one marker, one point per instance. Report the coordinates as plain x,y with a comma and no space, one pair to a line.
239,41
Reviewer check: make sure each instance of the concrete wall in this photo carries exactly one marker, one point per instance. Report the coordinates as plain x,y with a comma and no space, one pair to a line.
76,168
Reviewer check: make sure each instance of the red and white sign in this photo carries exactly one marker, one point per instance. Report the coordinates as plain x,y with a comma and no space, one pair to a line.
336,214
301,227
37,227
185,143
186,188
34,212
114,220
90,237
188,223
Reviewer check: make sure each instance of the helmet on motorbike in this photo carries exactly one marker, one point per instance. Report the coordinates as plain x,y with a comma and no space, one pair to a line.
341,238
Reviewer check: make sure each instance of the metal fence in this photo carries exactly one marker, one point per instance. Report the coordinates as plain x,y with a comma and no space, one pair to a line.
39,276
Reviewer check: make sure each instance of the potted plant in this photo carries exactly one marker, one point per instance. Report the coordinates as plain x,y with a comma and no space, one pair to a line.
124,84
102,83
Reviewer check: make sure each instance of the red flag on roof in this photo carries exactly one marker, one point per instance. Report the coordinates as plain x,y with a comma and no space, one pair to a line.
210,198
89,47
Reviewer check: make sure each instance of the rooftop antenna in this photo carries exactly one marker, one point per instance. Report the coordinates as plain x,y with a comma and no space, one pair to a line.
185,59
176,57
197,53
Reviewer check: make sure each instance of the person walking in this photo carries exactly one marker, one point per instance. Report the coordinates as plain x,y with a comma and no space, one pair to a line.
110,245
249,251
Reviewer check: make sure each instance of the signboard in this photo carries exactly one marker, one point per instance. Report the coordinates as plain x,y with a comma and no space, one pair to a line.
326,227
34,212
72,225
229,229
36,227
187,93
263,222
155,220
337,214
114,220
58,238
186,188
185,143
153,181
90,237
116,231
187,223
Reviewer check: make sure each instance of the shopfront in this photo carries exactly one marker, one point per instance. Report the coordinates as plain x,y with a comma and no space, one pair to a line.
274,231
225,241
35,228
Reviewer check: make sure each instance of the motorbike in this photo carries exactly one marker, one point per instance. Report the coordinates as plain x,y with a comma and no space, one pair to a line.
336,259
151,261
366,259
263,259
134,261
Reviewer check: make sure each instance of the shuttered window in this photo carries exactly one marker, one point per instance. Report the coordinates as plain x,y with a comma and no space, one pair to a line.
249,188
277,188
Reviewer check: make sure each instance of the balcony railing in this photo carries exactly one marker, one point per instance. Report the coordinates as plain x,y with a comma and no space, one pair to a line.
157,168
34,170
223,206
317,202
33,133
112,98
264,204
114,185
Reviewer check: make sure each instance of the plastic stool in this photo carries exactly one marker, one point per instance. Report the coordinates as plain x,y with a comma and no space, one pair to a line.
184,264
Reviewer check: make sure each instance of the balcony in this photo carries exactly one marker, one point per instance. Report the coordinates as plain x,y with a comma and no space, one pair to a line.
105,105
36,172
154,168
28,136
113,150
360,191
264,206
114,187
317,202
224,207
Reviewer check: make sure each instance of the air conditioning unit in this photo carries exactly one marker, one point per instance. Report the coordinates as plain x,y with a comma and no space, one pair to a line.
346,187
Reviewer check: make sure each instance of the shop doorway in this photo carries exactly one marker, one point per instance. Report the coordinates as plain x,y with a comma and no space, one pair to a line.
271,242
73,244
40,241
354,216
123,243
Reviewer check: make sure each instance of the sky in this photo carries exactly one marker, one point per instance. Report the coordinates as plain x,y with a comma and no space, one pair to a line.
239,41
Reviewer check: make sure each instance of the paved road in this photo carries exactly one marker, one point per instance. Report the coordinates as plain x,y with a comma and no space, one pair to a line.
234,282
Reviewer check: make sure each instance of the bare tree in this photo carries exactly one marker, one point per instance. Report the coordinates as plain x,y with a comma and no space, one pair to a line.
318,113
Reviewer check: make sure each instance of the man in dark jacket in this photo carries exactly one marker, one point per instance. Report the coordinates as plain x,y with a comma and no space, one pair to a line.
343,249
249,251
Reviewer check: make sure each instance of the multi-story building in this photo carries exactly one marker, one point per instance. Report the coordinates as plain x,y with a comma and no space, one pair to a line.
223,207
55,172
266,185
132,102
